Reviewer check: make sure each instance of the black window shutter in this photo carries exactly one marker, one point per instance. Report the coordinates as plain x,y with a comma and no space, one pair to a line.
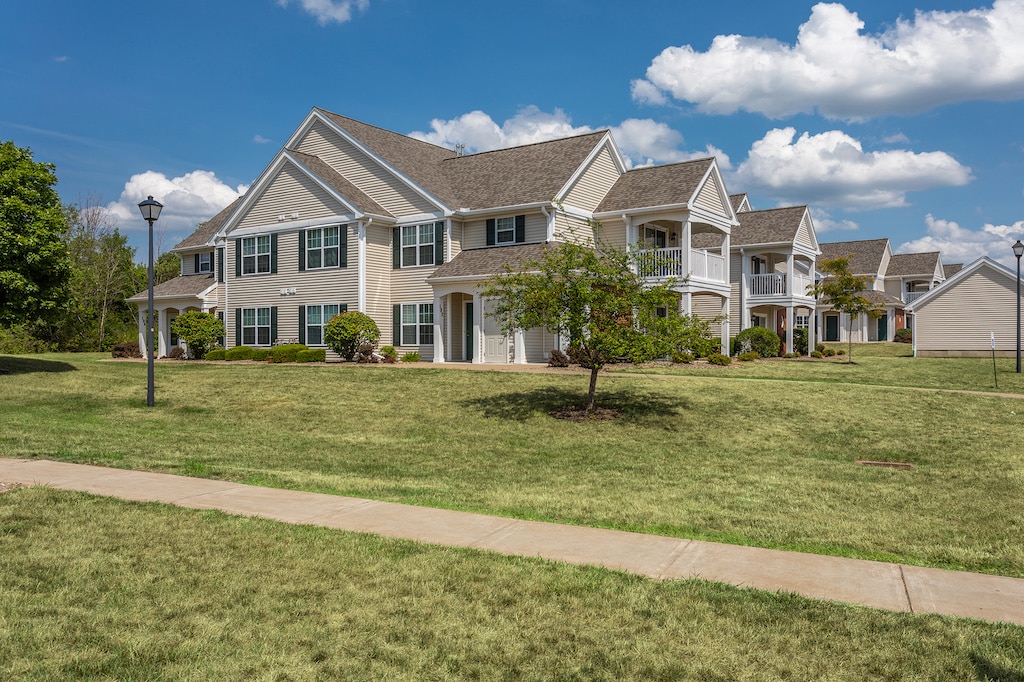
302,250
238,326
220,264
220,316
343,246
195,269
343,308
492,235
273,325
520,229
302,324
238,258
396,248
273,253
396,325
438,243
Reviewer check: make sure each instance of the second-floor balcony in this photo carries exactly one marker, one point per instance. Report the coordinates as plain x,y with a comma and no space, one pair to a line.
911,296
778,284
669,262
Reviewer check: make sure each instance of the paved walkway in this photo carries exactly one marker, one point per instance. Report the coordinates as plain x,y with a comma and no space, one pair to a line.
879,585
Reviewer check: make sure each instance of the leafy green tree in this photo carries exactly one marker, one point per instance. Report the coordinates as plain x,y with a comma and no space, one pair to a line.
844,292
34,264
597,297
199,331
344,333
166,267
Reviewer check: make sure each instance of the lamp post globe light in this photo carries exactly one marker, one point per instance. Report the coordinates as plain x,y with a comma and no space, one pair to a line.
150,213
1018,251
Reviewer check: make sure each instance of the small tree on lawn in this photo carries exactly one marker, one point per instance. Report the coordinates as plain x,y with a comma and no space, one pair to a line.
346,332
844,292
607,309
199,331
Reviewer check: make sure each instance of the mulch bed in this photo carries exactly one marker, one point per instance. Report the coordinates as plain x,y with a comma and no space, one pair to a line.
576,413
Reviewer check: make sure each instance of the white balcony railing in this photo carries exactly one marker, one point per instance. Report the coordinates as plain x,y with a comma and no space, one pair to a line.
776,284
911,296
662,263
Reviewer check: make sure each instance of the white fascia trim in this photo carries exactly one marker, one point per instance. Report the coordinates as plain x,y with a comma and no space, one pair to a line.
644,210
366,150
292,226
723,194
500,210
583,167
420,218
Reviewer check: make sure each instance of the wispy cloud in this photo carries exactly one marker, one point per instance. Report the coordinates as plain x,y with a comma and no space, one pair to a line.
962,245
259,139
61,59
326,11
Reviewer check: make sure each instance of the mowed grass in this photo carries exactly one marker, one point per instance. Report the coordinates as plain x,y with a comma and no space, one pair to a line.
765,463
95,588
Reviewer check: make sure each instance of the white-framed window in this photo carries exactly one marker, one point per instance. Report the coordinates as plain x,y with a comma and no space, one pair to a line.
322,247
205,262
316,317
802,321
505,230
256,327
255,255
418,245
757,321
417,324
655,238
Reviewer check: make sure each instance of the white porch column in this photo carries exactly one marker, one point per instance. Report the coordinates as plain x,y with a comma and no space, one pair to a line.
687,302
478,326
361,267
142,331
439,328
744,291
812,320
519,347
685,243
790,321
164,333
725,326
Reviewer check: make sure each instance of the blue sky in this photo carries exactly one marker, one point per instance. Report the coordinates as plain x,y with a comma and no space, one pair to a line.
900,119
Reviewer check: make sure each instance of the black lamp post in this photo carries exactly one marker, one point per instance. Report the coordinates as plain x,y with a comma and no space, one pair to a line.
1018,251
150,212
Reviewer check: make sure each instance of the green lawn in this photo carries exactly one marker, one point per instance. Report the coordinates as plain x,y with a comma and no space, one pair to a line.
95,588
766,463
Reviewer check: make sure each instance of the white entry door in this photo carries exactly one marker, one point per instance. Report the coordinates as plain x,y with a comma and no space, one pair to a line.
495,343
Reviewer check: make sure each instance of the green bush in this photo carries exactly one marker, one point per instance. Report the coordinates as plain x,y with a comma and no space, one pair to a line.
345,333
719,359
411,357
390,354
817,354
287,352
761,340
799,341
260,354
238,353
215,354
557,358
311,355
681,357
124,349
840,351
791,355
828,352
200,331
903,335
749,356
820,347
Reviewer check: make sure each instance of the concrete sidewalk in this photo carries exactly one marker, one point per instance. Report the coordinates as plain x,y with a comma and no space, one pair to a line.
879,585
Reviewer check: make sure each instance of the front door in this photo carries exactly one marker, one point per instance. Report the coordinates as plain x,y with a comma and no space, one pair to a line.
831,327
883,328
495,343
467,347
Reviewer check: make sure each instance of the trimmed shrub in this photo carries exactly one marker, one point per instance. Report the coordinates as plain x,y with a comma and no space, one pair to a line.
799,341
287,352
238,353
215,354
558,359
681,357
345,333
366,356
840,351
820,347
828,352
126,349
719,359
791,355
762,341
817,354
903,335
411,357
199,330
390,354
177,353
260,354
311,355
749,357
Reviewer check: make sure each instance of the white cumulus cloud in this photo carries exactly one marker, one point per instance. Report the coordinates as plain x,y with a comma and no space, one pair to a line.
839,71
832,168
961,245
824,222
326,11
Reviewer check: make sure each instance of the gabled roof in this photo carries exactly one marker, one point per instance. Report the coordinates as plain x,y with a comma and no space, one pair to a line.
983,263
904,264
189,286
740,203
951,269
865,255
770,226
205,232
337,181
490,261
669,185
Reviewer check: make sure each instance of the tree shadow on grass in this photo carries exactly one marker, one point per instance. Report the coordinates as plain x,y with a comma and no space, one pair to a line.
522,405
987,670
21,364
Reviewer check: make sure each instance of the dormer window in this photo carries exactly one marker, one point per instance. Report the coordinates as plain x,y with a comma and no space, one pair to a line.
204,262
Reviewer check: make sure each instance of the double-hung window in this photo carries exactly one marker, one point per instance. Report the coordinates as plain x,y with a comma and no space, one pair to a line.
505,230
802,321
256,326
204,262
322,247
255,255
316,317
418,245
417,324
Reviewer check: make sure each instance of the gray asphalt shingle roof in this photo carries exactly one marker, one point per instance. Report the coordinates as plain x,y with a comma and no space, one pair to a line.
865,255
770,226
179,287
205,232
913,263
655,186
491,260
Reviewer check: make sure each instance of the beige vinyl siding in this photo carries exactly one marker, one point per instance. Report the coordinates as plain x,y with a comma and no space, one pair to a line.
291,191
475,234
959,319
707,307
457,234
378,279
591,187
893,287
539,343
570,228
612,231
332,285
710,198
803,233
364,172
408,286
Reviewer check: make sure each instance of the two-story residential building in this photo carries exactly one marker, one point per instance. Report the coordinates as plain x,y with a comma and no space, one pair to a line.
348,216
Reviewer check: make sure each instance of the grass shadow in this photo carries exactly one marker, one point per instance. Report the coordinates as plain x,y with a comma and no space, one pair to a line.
987,670
522,405
18,364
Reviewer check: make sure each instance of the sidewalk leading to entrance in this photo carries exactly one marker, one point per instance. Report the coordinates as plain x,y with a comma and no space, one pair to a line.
893,587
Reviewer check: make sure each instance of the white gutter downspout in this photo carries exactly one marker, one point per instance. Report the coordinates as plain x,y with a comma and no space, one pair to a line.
550,223
361,265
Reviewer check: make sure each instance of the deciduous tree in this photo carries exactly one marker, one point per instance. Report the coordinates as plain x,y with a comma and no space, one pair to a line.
200,331
844,291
